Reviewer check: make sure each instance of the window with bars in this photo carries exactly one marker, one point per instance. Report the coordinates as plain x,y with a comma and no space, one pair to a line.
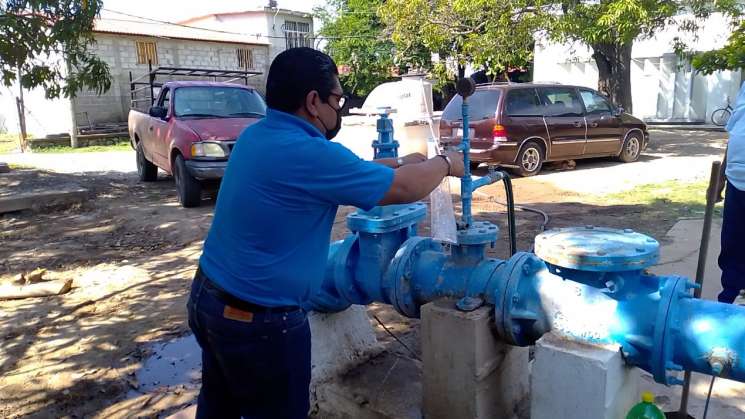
297,34
245,58
146,52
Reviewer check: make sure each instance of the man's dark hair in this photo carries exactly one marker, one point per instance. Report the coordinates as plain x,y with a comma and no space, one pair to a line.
294,73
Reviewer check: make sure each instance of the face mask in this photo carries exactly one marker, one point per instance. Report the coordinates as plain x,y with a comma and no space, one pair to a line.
331,132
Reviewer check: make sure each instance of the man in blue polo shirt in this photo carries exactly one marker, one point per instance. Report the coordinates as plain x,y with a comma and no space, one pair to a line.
266,251
732,257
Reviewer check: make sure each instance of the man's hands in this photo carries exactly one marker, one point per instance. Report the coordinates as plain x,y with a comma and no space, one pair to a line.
457,168
456,161
413,158
413,182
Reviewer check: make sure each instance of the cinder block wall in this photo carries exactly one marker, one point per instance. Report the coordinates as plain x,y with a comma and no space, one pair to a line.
119,52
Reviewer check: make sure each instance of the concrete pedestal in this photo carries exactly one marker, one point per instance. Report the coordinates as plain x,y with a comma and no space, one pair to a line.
340,341
468,373
578,381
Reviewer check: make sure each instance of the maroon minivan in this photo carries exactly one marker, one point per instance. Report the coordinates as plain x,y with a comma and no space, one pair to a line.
521,126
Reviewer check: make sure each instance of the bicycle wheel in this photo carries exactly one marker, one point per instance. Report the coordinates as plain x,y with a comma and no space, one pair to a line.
720,117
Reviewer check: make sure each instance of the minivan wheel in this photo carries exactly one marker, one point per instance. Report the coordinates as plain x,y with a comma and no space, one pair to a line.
189,189
146,171
632,148
530,159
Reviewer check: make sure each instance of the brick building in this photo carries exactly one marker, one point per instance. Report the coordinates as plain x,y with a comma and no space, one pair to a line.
246,40
128,45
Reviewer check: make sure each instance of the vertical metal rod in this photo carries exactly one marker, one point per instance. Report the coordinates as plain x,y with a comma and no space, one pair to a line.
465,181
152,80
711,199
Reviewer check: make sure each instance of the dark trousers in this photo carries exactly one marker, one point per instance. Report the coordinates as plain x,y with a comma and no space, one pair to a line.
732,258
254,364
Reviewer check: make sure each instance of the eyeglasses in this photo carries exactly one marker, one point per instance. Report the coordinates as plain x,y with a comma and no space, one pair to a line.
342,99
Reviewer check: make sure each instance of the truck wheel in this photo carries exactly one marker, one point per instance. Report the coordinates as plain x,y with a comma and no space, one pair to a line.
530,159
632,148
147,171
189,189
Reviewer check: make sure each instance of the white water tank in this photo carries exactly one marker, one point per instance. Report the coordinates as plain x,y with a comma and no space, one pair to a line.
413,120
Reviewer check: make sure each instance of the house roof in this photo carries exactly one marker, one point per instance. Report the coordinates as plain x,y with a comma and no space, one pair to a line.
262,10
133,26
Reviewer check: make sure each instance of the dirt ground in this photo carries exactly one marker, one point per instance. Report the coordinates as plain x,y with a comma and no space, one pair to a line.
131,251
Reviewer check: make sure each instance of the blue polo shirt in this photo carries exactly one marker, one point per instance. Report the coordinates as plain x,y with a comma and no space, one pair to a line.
270,235
736,147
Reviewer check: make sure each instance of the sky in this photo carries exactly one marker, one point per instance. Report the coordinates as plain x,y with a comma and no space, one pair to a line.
175,10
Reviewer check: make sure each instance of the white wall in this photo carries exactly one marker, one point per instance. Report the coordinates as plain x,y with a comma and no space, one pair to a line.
662,88
268,24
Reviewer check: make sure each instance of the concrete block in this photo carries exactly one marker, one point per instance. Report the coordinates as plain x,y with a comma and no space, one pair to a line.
340,341
467,372
580,381
24,201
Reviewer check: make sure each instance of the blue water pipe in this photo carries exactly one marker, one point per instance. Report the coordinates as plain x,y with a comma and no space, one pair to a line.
586,283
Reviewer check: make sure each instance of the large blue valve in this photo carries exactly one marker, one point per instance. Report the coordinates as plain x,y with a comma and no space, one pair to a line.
586,283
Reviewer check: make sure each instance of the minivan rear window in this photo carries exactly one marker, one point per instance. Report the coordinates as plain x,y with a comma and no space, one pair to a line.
482,105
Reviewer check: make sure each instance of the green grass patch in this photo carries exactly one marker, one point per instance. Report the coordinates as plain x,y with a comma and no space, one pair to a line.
8,143
678,199
122,146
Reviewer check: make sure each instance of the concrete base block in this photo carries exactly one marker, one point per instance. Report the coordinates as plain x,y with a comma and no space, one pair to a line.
37,200
340,341
579,381
468,373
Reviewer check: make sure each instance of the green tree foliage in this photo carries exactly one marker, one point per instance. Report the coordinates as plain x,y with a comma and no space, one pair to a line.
610,27
729,57
36,34
494,35
356,39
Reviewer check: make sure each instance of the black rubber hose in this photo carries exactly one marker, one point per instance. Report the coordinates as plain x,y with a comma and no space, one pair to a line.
511,225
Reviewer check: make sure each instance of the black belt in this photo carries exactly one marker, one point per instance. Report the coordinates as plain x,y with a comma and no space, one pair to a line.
235,302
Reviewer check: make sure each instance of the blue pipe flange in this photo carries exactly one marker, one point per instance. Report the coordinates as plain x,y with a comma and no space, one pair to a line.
386,219
597,249
481,232
398,281
343,271
518,314
672,290
328,298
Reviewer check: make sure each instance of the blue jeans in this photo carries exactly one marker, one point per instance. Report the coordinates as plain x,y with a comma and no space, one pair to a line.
254,364
732,258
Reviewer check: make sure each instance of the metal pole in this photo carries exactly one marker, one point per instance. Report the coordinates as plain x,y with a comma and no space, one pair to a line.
465,182
711,199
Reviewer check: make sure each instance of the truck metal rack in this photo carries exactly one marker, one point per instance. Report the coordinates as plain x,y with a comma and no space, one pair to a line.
142,89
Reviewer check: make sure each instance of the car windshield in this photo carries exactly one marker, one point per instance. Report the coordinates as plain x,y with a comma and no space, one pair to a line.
482,105
218,102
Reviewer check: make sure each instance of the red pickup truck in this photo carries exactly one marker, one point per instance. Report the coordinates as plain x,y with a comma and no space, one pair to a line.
190,131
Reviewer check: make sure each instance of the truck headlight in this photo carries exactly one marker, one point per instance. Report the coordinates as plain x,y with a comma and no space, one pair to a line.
207,150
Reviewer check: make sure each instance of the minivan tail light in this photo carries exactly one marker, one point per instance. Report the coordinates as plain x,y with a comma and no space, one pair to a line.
499,134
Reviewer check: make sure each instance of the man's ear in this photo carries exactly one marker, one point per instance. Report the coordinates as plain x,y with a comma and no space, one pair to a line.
312,101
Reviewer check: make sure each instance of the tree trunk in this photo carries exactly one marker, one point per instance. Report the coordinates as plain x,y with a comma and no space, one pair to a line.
614,72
